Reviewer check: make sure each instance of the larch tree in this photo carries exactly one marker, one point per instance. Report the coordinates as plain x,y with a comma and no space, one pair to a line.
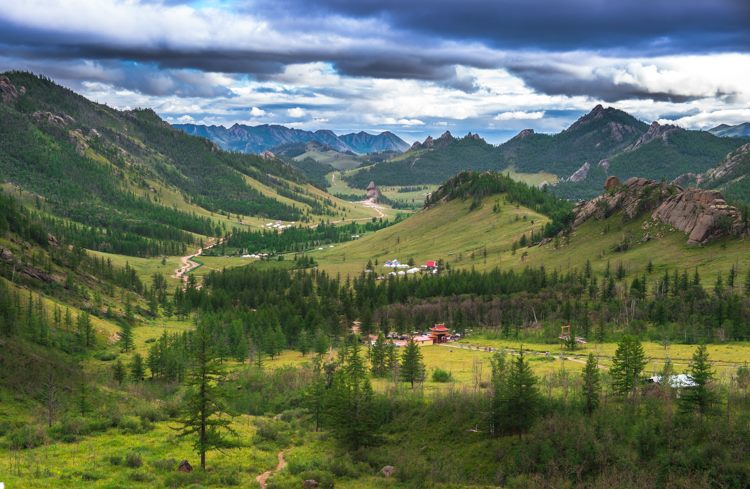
700,397
205,416
591,384
412,366
627,366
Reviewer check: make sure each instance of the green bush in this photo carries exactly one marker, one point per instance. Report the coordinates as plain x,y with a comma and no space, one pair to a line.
28,436
165,465
271,430
105,356
440,375
325,479
133,460
139,476
134,425
115,460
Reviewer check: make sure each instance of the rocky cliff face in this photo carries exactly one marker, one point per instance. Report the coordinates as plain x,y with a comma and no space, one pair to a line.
633,198
730,167
701,214
655,131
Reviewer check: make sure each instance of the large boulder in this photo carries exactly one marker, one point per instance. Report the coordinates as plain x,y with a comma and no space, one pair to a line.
612,183
388,470
701,214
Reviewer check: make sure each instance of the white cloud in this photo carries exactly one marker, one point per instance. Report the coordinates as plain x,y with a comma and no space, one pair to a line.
519,115
296,112
256,112
410,122
185,119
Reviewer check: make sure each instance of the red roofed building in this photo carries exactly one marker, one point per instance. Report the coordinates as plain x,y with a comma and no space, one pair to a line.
439,333
431,264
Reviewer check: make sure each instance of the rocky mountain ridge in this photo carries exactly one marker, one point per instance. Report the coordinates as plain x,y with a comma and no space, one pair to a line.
703,215
268,137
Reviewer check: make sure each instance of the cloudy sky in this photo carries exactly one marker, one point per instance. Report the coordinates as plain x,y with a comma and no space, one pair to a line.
415,67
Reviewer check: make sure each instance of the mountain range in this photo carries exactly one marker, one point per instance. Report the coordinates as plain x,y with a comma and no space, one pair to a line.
739,131
128,182
605,142
265,137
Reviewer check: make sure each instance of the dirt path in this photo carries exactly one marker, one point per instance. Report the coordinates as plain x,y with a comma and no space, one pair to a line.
374,206
263,478
187,264
464,346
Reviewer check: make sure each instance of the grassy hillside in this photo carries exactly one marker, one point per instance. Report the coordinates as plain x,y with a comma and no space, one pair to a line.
126,182
460,236
449,231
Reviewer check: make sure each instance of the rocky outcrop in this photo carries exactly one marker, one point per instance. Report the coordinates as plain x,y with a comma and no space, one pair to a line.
523,134
580,174
655,131
687,179
636,196
701,214
59,120
267,155
612,183
8,91
373,194
730,166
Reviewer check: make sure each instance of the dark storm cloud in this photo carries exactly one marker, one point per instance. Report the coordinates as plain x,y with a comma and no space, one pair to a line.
660,26
555,80
411,39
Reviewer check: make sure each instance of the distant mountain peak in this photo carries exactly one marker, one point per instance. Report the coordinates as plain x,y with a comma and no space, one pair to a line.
523,134
741,130
265,137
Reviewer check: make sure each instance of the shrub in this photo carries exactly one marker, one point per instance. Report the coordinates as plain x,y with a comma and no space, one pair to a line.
150,412
139,476
27,436
166,465
440,375
325,479
105,356
270,430
133,460
70,427
115,460
131,425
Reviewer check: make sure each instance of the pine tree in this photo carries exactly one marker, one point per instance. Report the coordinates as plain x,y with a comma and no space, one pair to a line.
118,372
700,397
321,344
519,400
315,396
378,357
303,342
126,337
204,414
627,366
498,363
591,381
412,366
137,372
85,330
351,401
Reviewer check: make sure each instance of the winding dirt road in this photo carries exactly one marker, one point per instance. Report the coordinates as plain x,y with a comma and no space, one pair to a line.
187,264
263,478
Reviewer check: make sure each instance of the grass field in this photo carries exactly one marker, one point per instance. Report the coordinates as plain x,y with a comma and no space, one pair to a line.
340,161
448,231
